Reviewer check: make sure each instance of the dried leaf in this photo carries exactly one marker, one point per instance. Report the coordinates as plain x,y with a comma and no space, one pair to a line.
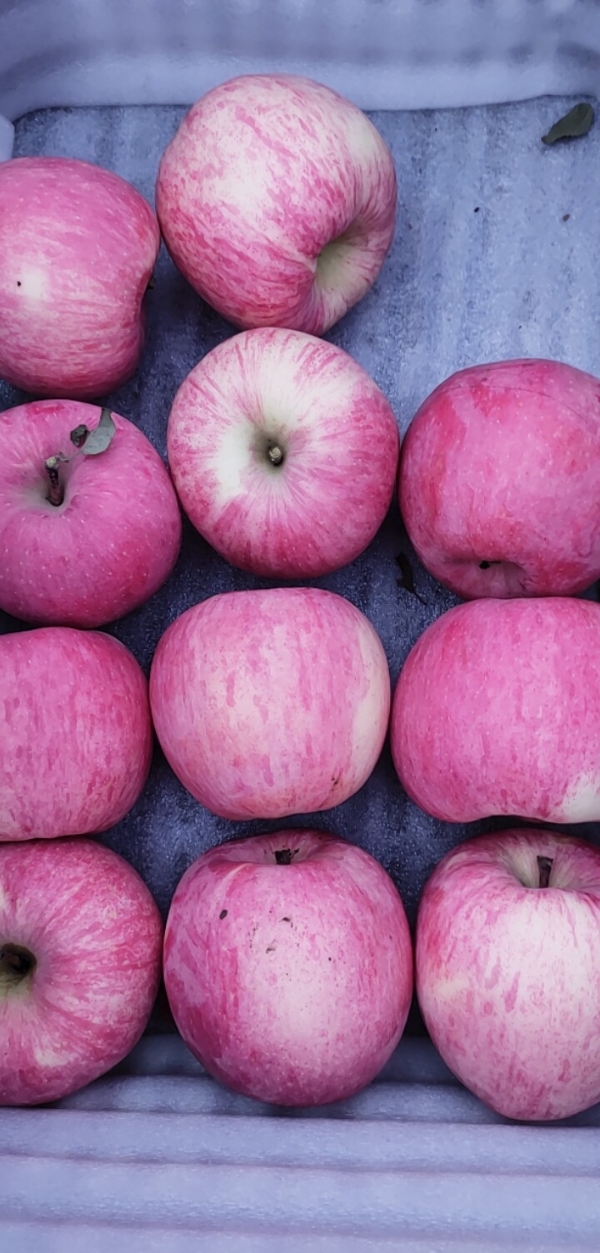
576,122
406,579
79,435
90,443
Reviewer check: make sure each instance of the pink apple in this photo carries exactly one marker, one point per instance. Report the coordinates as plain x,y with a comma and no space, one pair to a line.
77,249
110,539
277,201
270,703
500,480
76,736
288,966
507,956
284,453
80,957
497,711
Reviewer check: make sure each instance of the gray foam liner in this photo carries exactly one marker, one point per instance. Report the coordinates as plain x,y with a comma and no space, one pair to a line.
484,266
494,257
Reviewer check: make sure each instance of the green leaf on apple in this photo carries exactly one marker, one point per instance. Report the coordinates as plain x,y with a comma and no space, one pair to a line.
578,121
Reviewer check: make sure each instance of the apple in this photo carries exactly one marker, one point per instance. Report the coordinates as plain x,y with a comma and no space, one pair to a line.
76,735
270,703
277,201
497,711
500,480
507,961
80,962
284,453
77,248
84,539
288,966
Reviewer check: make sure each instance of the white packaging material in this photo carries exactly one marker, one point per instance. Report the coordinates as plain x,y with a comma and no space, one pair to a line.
385,54
495,256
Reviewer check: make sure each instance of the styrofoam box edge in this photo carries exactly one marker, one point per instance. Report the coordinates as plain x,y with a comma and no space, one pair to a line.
403,54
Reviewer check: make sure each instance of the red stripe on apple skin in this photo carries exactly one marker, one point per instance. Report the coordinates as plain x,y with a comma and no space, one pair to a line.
269,703
95,932
300,990
339,440
111,543
263,173
77,248
507,971
76,737
497,711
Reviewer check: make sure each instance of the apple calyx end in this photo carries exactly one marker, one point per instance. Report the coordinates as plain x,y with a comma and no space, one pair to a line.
275,454
545,865
269,448
17,963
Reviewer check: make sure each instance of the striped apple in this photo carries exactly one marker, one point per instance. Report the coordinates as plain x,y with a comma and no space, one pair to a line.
283,452
277,201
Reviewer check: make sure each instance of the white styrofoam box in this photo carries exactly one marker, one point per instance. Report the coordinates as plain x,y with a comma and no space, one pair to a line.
384,54
494,256
491,259
160,1157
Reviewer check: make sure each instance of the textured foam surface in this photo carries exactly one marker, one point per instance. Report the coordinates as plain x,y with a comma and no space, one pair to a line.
493,257
159,1157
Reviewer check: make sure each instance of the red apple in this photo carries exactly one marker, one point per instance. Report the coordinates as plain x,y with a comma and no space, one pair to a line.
508,961
80,957
89,539
497,711
77,248
76,736
277,201
288,966
269,703
283,452
500,480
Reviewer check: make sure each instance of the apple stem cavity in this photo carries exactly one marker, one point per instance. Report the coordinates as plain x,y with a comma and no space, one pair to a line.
544,870
285,856
16,963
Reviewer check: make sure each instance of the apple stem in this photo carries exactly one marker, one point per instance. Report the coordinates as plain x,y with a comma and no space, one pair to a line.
55,491
544,870
275,454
